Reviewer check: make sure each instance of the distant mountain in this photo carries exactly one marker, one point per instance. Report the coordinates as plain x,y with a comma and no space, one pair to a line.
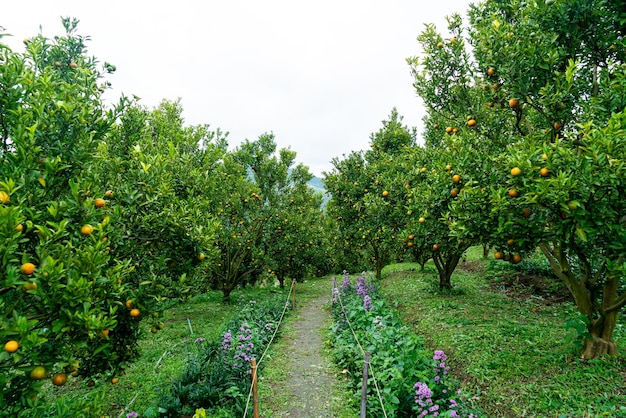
317,184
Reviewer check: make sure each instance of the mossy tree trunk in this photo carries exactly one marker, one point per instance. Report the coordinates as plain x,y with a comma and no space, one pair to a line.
596,294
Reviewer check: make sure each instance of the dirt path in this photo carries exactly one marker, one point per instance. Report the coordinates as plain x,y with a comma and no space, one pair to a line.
309,374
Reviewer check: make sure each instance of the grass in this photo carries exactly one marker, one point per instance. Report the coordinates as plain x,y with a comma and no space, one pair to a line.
512,351
163,355
506,344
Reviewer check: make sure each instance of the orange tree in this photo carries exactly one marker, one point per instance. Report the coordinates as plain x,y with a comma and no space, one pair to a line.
160,175
295,242
367,199
62,292
549,73
432,184
257,186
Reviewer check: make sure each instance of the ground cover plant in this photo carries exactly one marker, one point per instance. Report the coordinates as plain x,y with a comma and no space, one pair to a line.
497,333
405,379
218,378
163,355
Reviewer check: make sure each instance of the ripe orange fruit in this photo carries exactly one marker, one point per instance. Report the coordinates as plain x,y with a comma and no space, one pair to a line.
496,86
490,104
526,213
410,243
510,242
135,312
11,346
557,126
4,197
100,203
471,122
544,156
201,256
411,237
453,39
114,380
38,373
423,170
435,126
491,71
449,129
513,193
59,379
448,167
129,304
19,227
516,258
439,44
73,64
108,194
544,172
385,193
421,220
103,333
513,102
436,247
498,255
455,130
27,268
454,192
516,171
86,229
57,64
456,178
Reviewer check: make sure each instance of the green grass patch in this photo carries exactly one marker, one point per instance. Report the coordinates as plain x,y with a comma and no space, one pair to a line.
163,357
511,347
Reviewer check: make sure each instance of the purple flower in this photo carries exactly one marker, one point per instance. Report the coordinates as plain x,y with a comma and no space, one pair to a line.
440,355
367,303
423,392
345,285
453,414
132,415
362,288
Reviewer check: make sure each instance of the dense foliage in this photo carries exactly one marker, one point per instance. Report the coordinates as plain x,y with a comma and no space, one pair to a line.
218,378
405,379
111,214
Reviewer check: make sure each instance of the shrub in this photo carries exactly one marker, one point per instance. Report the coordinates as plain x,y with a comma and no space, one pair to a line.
218,377
398,359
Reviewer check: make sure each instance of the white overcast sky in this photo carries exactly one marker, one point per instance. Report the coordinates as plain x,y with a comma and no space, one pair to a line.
321,75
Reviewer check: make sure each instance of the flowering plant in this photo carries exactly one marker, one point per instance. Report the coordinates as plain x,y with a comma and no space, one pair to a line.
439,398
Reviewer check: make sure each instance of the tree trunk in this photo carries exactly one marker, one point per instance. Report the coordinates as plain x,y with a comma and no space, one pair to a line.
380,264
281,280
422,263
602,337
485,251
445,268
226,295
602,313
